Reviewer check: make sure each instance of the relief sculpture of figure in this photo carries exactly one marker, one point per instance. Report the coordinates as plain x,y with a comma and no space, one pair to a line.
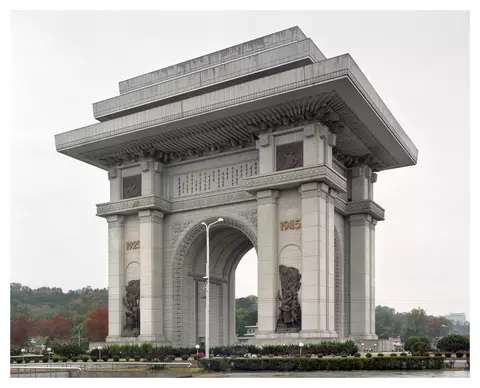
289,317
131,301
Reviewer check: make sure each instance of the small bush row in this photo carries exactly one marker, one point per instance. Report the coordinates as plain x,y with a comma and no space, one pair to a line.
316,364
335,348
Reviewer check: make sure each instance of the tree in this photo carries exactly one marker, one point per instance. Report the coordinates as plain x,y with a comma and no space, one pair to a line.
96,325
417,322
21,329
454,343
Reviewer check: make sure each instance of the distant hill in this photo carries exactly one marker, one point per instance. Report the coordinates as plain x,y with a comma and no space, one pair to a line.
45,302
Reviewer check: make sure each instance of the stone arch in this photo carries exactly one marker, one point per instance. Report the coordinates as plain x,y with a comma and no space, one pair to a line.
131,265
338,283
185,242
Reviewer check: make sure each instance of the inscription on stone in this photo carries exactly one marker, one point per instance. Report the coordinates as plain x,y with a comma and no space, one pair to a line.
289,156
213,179
133,245
290,225
132,186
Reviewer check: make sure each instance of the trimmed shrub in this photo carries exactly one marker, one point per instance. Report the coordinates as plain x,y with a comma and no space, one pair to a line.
85,358
454,343
116,358
438,354
55,358
136,358
357,354
19,360
170,358
459,354
45,359
448,354
318,364
380,355
416,354
368,355
320,355
184,357
393,354
420,347
403,354
74,359
147,358
64,359
426,354
105,357
94,358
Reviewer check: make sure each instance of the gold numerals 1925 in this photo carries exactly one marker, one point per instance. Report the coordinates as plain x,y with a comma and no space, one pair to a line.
133,245
290,225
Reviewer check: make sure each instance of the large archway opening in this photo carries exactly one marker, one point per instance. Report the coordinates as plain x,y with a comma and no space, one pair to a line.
228,245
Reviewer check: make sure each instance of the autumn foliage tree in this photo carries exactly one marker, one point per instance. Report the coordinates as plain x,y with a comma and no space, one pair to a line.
21,329
96,325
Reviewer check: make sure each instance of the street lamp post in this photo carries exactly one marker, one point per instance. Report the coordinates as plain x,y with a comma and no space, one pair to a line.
362,347
301,346
49,351
23,355
99,352
198,347
207,289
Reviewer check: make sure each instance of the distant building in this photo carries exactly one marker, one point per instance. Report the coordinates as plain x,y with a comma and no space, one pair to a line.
249,334
457,318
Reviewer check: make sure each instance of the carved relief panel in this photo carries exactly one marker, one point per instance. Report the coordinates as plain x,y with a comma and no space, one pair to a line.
289,156
132,186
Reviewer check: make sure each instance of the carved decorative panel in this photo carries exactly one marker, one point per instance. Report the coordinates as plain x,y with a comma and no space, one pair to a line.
132,186
289,156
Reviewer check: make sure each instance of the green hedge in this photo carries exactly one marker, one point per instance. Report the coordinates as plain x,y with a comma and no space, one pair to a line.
336,348
320,364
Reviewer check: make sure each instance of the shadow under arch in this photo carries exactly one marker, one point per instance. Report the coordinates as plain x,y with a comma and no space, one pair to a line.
185,243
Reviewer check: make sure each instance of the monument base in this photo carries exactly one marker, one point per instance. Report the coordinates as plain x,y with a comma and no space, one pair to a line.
306,337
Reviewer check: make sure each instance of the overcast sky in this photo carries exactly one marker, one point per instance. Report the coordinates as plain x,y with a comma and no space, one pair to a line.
418,62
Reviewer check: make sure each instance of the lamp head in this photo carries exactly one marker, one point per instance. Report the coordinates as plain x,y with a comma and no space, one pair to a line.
99,347
197,346
49,349
300,344
220,219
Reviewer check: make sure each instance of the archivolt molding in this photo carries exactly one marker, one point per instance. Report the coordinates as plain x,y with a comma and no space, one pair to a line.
186,240
251,216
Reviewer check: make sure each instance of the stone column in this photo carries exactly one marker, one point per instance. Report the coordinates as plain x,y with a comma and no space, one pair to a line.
267,262
115,178
151,276
266,154
330,261
116,273
362,289
372,278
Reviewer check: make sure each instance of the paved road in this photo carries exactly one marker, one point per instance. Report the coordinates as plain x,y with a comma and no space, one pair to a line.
359,374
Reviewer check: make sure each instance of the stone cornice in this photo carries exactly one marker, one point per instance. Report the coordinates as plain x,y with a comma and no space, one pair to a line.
296,177
366,207
134,205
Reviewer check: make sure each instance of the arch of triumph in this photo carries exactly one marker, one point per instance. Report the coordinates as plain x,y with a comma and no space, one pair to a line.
281,142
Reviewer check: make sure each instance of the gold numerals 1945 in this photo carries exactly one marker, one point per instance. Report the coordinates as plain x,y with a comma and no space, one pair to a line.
290,225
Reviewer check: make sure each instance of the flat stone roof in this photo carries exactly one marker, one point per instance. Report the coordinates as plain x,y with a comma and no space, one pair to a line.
189,116
231,53
274,60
